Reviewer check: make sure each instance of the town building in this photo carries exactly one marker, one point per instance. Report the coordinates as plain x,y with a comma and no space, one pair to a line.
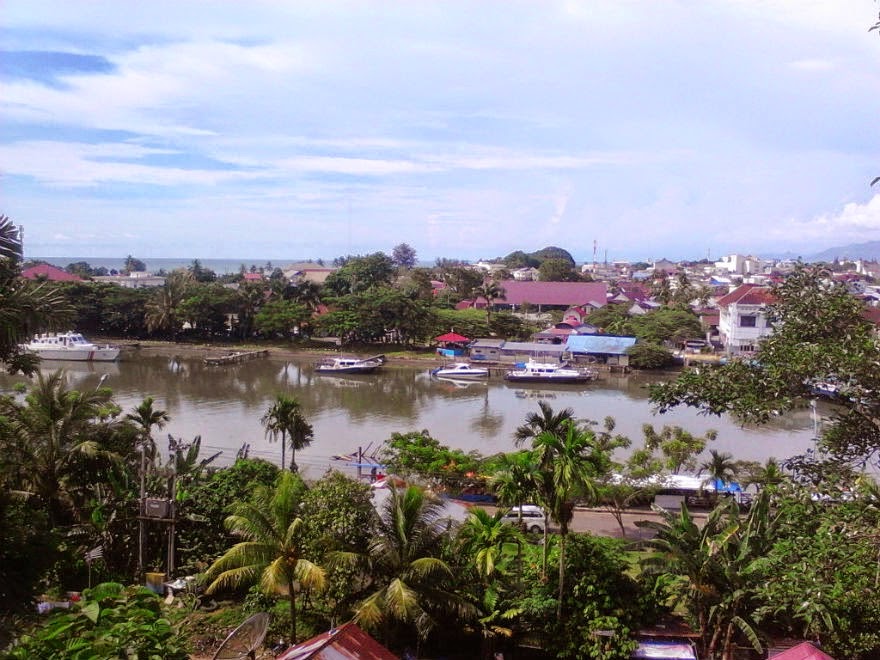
742,319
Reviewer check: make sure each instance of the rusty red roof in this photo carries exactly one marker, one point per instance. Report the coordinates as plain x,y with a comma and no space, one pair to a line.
747,294
49,272
348,641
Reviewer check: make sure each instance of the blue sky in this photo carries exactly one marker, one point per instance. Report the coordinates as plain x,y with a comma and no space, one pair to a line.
280,130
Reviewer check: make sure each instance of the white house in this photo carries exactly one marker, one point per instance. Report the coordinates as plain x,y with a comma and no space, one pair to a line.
737,264
742,321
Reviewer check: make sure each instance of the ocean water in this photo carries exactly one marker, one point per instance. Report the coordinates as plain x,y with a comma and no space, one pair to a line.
154,265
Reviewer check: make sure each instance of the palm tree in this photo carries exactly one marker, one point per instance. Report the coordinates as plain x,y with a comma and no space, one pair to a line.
161,312
716,568
483,537
490,291
285,418
53,436
545,421
412,583
515,479
271,553
569,464
145,417
720,468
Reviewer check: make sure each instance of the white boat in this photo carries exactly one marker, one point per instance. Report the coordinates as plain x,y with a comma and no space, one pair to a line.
350,365
69,346
460,370
548,372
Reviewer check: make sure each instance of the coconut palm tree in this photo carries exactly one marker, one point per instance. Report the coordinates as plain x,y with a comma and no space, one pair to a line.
145,417
490,291
544,421
284,418
25,307
53,437
271,552
411,584
569,464
161,311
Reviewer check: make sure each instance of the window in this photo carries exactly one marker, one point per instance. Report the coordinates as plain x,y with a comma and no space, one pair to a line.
749,321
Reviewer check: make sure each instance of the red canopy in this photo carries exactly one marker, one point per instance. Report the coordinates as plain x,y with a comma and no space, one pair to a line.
452,337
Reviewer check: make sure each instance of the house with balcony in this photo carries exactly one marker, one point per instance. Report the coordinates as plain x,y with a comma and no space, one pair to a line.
742,318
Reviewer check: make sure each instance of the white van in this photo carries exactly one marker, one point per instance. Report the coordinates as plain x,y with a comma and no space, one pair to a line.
532,518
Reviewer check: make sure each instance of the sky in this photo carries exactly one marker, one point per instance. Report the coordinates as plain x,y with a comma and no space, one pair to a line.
624,129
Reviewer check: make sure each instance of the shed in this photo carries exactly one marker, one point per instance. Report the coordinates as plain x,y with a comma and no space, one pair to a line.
347,642
610,349
803,651
486,349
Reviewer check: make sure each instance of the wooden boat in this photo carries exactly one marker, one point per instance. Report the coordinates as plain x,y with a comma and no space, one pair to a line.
548,372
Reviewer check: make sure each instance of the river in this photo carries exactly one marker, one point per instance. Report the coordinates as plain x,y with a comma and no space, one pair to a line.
224,405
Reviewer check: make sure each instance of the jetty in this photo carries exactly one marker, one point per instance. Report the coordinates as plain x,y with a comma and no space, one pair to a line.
236,358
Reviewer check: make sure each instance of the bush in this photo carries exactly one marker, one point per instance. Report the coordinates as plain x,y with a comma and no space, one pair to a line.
111,621
645,355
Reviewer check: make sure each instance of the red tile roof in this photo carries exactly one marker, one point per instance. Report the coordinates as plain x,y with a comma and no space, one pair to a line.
552,293
747,294
49,272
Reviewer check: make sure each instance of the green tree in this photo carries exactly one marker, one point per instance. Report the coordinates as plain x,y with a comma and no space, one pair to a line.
271,553
25,307
285,418
545,420
133,265
490,292
411,584
162,310
645,355
54,441
403,255
357,274
569,466
820,335
280,317
558,270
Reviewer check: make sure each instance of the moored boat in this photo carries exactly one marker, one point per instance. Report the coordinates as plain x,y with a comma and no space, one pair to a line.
350,365
548,372
69,346
460,370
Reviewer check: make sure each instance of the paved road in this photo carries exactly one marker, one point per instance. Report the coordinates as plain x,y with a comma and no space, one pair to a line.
602,523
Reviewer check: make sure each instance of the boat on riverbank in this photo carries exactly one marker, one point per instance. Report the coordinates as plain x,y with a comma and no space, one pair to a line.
69,346
548,372
350,365
460,370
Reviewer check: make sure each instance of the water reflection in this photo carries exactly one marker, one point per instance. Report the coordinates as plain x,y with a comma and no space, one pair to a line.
224,405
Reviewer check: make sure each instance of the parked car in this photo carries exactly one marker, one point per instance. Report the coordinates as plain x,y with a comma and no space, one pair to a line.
532,518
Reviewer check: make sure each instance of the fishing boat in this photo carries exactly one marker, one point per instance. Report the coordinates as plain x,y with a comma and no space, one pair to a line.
548,372
69,346
350,365
460,370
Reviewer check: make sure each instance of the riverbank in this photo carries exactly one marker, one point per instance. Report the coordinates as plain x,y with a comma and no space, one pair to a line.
277,352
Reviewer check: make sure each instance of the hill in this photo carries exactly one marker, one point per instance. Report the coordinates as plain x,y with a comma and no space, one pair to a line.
869,251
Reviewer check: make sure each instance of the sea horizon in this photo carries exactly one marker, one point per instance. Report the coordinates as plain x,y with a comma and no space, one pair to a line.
167,264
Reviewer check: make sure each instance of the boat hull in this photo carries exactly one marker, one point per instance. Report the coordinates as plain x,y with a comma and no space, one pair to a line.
78,355
562,380
346,370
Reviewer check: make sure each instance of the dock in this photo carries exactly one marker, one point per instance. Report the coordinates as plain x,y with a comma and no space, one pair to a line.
236,358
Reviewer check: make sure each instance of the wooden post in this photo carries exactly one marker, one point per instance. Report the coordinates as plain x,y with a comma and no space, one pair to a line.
360,462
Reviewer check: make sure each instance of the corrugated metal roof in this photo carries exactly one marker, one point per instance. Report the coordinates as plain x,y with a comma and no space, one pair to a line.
599,344
487,343
348,642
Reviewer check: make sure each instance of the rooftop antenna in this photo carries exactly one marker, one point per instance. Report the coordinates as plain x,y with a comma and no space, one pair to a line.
595,245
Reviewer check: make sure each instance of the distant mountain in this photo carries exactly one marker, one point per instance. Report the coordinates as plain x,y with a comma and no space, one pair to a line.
869,251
